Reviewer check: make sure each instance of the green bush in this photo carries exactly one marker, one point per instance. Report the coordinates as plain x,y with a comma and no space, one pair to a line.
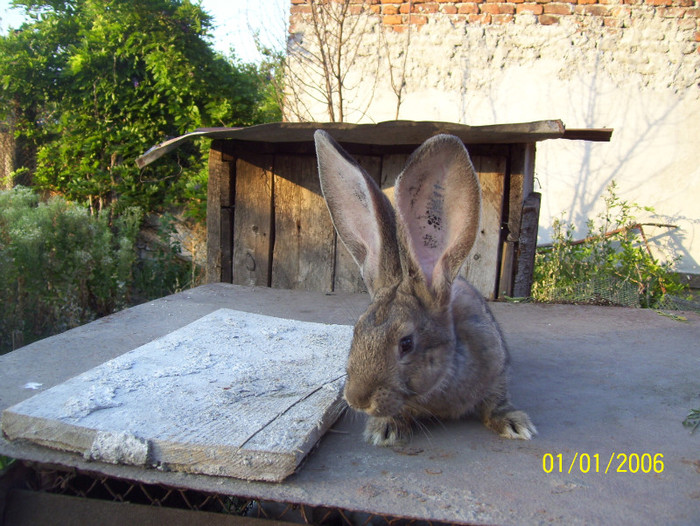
612,265
164,271
59,266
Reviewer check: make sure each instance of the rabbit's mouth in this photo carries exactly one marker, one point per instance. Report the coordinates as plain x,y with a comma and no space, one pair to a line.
383,403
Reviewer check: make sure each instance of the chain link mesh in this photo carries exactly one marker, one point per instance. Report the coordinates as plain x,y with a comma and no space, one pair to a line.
75,483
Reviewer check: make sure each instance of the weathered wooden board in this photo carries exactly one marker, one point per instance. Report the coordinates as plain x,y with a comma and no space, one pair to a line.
527,245
232,394
252,224
389,133
481,268
219,216
304,239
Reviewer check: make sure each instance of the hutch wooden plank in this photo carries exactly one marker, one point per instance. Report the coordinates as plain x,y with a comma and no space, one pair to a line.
268,225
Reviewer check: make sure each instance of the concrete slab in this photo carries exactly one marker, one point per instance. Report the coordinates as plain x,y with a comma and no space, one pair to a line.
232,394
602,381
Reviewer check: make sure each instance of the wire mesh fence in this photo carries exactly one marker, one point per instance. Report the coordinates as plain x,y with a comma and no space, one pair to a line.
75,483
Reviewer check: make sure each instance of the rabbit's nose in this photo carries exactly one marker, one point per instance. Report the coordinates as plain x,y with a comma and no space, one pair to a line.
357,398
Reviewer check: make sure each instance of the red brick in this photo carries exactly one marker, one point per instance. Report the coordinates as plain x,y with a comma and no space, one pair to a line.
491,9
390,10
658,2
697,36
392,20
356,9
417,20
497,9
449,9
468,9
300,10
557,9
535,9
483,18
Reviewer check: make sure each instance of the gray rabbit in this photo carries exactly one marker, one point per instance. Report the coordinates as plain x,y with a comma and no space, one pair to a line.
428,345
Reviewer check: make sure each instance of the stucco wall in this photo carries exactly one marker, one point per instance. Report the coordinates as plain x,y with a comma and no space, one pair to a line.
630,65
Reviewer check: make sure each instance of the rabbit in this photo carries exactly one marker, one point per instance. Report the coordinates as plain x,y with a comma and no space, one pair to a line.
428,345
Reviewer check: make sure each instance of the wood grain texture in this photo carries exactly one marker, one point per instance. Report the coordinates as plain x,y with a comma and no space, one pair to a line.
231,394
522,286
304,237
217,170
252,233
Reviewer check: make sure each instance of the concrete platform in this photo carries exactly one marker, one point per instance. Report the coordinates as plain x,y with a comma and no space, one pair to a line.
603,384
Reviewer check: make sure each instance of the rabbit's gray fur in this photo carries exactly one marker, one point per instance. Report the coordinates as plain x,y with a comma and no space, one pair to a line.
428,345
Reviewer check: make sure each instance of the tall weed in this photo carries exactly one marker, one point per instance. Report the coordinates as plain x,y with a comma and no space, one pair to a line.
613,264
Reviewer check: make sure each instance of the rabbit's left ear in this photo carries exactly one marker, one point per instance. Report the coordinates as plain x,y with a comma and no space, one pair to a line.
438,202
361,213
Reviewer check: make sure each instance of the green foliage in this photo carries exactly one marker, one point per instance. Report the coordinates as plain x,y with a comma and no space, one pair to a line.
92,84
59,266
271,75
612,265
5,462
692,420
162,272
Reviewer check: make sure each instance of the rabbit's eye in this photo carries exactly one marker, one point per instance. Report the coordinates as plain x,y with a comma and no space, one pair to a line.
405,345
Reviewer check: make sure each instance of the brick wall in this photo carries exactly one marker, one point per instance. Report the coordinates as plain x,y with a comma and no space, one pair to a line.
614,14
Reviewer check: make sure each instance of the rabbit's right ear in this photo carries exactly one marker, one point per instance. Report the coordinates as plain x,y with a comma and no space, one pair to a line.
361,214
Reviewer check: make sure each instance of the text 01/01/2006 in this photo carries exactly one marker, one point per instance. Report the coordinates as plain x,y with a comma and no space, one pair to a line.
617,463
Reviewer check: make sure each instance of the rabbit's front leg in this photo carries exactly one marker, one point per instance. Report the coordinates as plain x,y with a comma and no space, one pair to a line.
507,421
386,431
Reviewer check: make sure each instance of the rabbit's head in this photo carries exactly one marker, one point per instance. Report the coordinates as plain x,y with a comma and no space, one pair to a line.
404,344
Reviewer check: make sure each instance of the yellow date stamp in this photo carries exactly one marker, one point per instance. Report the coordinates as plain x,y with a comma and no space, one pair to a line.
615,463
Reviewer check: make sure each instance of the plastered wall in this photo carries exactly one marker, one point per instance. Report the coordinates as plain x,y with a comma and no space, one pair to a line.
629,65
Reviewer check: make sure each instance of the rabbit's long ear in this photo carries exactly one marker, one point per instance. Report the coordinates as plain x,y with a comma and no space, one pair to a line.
438,203
361,214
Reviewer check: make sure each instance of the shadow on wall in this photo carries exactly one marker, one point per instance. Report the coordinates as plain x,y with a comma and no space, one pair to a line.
645,159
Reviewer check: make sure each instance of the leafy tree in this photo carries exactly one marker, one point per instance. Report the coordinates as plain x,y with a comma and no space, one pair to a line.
92,84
